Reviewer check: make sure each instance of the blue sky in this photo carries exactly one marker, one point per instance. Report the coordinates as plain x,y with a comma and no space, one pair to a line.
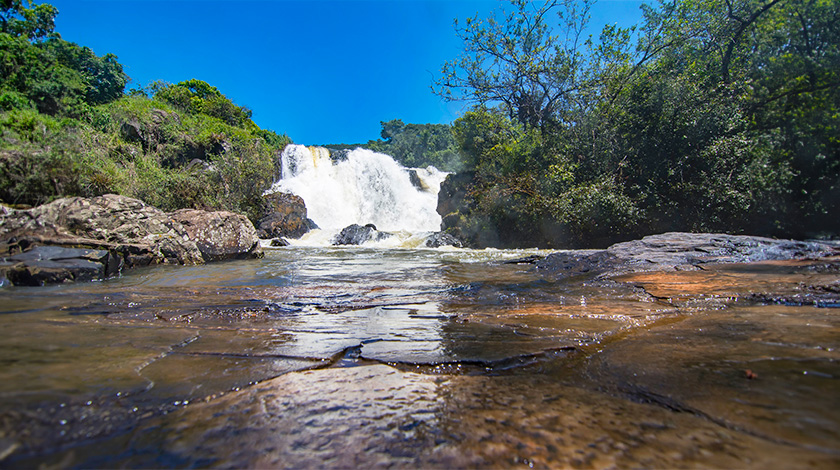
319,71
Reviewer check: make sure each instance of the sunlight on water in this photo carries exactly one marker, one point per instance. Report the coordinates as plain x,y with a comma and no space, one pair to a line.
320,356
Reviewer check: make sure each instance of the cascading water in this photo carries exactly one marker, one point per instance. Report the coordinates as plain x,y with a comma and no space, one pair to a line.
364,188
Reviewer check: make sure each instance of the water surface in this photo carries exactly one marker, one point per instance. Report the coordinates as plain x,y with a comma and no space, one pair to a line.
342,357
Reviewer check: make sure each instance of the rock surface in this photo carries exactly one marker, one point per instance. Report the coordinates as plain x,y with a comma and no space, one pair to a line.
53,264
284,216
439,239
682,252
220,235
63,240
356,235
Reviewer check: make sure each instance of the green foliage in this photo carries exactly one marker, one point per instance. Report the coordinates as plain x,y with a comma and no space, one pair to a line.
198,97
39,69
68,129
717,115
418,145
33,23
38,158
175,159
56,77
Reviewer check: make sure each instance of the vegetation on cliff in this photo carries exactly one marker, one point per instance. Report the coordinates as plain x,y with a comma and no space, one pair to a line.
69,129
418,145
414,145
707,116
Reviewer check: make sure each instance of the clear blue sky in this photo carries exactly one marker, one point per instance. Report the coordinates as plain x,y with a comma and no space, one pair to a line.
319,71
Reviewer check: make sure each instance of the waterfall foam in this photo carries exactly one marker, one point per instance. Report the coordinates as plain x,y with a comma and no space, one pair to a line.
365,187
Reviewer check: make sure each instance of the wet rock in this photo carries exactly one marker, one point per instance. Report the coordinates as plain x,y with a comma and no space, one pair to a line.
572,263
220,235
279,242
131,232
339,155
416,181
356,235
681,252
678,250
439,239
52,264
138,233
284,215
452,197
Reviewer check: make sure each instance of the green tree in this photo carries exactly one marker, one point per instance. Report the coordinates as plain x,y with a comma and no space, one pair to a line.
714,115
20,18
39,69
418,145
199,97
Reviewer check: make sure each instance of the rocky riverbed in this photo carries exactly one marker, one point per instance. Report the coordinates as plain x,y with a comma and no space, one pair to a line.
677,350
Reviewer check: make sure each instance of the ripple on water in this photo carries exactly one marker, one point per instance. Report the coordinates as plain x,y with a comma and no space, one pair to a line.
352,357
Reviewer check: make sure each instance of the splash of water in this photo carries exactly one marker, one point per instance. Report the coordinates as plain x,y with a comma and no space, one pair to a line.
364,188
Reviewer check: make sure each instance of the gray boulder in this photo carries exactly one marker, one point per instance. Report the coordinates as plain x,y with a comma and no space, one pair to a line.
356,235
140,233
439,239
680,251
94,238
220,235
53,264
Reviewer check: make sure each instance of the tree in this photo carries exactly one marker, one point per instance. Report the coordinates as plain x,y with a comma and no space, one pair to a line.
513,59
33,23
708,115
199,97
57,77
418,145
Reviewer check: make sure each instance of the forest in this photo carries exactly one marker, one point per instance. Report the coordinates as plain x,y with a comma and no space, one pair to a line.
716,115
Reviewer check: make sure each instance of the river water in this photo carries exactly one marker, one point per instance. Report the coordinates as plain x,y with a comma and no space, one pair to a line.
392,355
345,357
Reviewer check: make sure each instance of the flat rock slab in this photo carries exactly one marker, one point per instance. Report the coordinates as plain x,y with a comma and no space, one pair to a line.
53,264
681,252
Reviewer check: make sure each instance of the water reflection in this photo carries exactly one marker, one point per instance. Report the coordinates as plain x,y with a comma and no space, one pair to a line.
319,357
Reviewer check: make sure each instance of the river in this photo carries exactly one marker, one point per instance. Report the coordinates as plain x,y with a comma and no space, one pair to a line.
343,357
391,355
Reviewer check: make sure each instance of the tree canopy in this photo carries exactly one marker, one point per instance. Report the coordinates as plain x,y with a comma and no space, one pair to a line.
418,145
41,70
714,115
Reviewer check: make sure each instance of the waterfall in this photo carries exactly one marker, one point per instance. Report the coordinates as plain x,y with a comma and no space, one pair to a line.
363,187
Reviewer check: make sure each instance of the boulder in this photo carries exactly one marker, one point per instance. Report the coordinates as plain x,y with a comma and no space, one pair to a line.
453,195
356,235
416,181
140,233
278,242
220,235
78,239
439,239
284,216
572,263
131,131
678,249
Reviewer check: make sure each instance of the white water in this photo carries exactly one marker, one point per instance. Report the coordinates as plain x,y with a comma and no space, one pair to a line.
365,188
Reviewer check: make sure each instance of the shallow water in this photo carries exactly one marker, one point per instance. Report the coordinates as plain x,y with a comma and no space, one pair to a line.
343,357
